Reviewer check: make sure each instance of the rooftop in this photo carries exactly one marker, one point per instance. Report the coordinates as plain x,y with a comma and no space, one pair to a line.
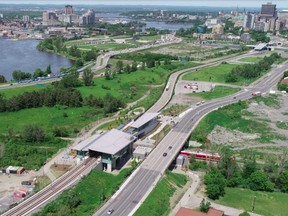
84,145
111,142
146,117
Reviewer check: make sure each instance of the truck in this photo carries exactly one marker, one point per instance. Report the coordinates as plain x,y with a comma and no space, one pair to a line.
257,93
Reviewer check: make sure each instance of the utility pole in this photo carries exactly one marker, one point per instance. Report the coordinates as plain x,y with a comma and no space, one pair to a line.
253,206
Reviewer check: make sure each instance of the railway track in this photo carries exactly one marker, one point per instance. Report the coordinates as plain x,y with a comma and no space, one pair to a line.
56,187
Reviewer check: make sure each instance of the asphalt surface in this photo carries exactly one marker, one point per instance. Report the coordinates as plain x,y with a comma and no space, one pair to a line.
137,188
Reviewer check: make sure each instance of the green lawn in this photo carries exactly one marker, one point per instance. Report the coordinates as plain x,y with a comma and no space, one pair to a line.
49,117
219,91
19,90
157,203
266,203
250,59
150,38
211,74
107,46
92,191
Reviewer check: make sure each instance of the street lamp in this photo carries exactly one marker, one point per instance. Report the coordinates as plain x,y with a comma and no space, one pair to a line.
253,206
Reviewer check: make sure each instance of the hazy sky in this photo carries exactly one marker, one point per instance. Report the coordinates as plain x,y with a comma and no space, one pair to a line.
217,3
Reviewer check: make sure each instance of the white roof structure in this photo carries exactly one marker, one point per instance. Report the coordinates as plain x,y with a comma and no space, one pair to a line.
84,145
111,142
146,117
260,46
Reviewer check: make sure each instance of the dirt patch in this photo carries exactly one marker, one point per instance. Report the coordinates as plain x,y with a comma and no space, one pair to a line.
60,169
262,114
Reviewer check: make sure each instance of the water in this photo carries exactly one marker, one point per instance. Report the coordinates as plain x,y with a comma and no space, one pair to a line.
149,24
23,55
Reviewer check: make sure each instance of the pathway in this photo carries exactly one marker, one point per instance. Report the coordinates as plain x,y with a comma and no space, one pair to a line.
192,200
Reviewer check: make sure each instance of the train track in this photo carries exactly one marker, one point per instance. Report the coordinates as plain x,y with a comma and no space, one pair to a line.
56,187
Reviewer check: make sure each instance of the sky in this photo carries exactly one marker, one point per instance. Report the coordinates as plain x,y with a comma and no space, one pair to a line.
213,3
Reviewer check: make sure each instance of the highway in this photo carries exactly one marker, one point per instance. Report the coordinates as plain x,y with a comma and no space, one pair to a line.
56,187
136,188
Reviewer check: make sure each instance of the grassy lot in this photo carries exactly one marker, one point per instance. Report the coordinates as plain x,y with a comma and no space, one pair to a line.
174,110
219,91
266,203
157,203
19,90
231,117
270,100
107,46
211,74
154,95
282,125
89,194
250,59
150,38
49,117
159,136
42,181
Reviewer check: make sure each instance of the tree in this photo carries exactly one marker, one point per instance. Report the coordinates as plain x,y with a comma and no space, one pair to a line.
38,73
127,68
88,77
134,67
119,66
215,184
283,181
33,133
48,69
205,206
259,181
70,81
2,79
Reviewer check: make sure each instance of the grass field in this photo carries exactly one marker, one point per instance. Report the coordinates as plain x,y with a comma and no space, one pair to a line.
266,203
211,74
219,91
107,46
19,90
251,59
91,192
157,203
49,117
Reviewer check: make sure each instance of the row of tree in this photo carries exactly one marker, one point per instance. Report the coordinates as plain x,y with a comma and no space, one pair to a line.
19,75
270,176
250,71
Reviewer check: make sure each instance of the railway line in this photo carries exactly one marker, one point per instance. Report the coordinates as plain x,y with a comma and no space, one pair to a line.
56,187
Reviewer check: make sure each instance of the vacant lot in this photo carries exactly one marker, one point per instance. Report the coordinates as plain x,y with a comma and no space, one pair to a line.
212,74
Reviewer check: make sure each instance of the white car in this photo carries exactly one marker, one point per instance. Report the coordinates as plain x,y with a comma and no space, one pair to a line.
110,211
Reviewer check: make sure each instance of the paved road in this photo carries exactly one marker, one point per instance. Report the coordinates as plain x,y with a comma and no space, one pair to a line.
103,59
137,188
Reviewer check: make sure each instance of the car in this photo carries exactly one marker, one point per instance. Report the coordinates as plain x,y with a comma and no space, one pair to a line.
26,183
234,97
203,102
197,104
110,211
170,147
164,154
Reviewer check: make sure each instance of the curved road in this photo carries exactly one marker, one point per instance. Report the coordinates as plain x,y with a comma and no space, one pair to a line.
137,187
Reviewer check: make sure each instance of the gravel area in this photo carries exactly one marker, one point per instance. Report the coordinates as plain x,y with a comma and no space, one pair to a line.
261,113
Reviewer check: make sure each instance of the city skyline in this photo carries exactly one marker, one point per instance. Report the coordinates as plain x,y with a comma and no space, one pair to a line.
212,3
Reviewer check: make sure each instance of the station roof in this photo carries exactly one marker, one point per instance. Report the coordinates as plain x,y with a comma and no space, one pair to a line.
111,142
260,46
146,117
84,145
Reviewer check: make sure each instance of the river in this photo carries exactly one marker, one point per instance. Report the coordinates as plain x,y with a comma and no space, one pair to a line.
23,55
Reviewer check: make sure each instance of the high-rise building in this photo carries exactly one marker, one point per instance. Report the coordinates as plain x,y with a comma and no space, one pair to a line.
26,19
268,10
50,18
68,9
88,18
249,20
